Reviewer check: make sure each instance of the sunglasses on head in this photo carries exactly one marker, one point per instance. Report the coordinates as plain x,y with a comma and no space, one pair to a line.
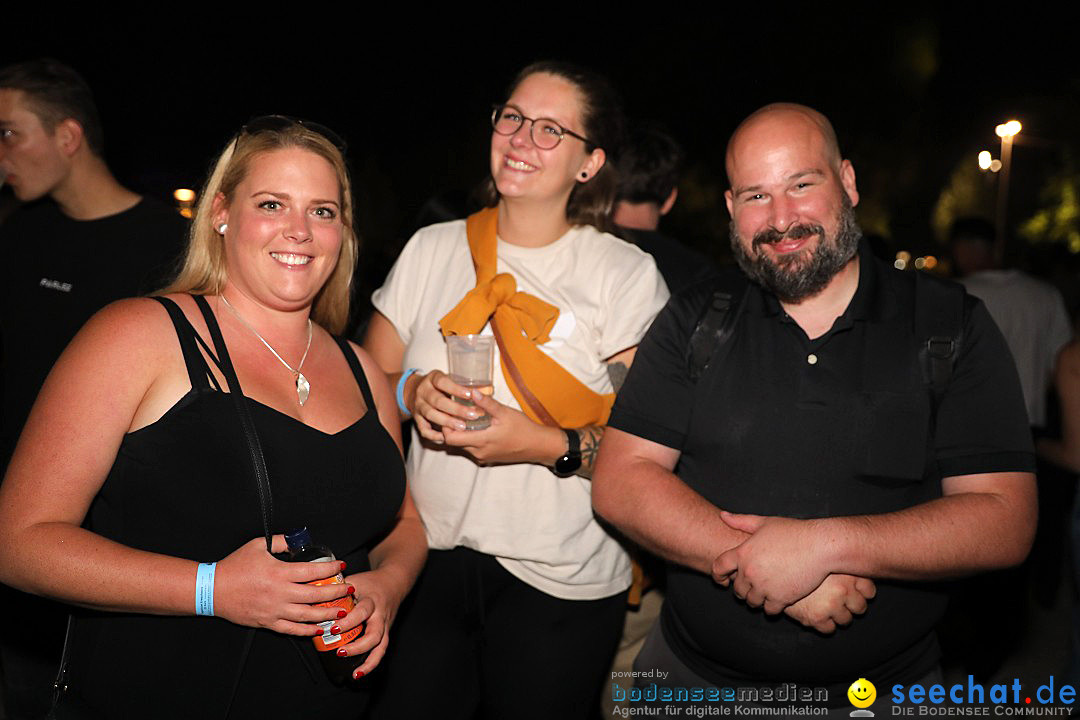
279,123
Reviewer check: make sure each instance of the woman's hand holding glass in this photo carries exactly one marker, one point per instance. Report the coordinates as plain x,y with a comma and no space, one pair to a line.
433,406
512,437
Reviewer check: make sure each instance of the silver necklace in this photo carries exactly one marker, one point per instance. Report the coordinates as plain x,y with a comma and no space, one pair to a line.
303,387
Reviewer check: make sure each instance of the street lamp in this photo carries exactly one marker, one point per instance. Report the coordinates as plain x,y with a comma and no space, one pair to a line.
988,162
1006,131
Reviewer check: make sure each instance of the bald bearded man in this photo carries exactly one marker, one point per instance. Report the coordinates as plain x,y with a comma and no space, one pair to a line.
816,465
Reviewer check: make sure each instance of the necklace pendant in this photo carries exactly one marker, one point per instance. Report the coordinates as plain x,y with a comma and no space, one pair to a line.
303,387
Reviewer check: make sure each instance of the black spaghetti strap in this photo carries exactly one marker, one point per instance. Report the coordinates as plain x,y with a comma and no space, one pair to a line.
258,464
221,353
209,354
357,371
199,374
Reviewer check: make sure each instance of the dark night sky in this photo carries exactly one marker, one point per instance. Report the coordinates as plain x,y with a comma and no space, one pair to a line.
910,97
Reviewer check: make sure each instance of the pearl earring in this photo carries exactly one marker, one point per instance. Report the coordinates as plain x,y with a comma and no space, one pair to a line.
222,228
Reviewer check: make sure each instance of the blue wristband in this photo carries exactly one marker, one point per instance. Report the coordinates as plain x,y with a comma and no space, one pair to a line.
204,589
401,391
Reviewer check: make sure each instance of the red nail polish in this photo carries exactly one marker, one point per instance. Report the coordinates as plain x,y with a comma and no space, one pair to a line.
336,630
342,566
352,590
342,652
341,614
358,674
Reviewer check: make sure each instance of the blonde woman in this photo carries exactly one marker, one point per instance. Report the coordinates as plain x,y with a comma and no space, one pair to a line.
131,492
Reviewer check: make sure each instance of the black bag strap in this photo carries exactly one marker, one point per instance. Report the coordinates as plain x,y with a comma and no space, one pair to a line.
262,476
716,322
940,308
258,463
58,708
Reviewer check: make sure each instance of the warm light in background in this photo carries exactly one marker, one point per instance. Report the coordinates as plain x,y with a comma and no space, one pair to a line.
984,160
185,200
995,165
902,259
1008,129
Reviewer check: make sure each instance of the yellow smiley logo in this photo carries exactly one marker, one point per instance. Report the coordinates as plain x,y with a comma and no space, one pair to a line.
862,693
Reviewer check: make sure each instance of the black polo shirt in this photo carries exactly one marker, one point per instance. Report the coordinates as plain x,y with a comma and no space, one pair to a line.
840,425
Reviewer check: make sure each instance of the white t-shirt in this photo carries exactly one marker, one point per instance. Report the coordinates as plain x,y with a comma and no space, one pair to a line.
540,527
1031,315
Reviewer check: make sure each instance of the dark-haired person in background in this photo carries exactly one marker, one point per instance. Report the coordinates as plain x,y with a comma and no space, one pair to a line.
650,166
81,241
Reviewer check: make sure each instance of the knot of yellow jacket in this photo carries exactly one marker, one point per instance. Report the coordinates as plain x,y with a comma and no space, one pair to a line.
532,317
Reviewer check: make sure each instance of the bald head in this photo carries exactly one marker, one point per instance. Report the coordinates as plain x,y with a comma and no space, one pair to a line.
782,124
791,198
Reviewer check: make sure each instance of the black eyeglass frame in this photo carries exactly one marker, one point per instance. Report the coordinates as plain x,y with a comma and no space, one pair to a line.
498,108
277,123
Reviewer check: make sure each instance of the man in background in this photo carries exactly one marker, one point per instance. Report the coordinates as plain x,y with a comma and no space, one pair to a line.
1031,315
80,241
1029,311
649,170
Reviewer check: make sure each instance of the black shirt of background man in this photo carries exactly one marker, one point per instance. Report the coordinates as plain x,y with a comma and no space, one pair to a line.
60,272
679,265
839,425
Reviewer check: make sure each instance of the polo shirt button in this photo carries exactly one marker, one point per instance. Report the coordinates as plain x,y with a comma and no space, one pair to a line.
812,359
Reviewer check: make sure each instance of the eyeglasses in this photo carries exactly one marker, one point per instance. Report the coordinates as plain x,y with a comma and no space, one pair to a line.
279,123
545,133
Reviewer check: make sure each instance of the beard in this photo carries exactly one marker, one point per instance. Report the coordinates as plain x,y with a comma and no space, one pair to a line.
799,275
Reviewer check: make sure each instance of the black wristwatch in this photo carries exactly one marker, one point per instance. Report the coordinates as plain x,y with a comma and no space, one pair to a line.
569,463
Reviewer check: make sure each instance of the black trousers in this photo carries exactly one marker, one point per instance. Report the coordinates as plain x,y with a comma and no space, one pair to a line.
473,641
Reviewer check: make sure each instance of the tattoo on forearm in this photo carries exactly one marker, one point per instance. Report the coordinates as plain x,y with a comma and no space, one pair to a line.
617,372
590,445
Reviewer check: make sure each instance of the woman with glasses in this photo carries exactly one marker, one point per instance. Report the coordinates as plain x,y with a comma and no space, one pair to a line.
132,493
519,608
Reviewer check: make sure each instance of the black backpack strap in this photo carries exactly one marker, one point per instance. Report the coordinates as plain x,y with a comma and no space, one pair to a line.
715,322
940,309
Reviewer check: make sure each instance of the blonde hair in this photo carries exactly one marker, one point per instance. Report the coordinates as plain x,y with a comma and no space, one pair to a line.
203,270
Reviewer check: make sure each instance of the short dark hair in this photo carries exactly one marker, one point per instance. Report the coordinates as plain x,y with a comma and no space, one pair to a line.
973,228
650,165
55,92
590,202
